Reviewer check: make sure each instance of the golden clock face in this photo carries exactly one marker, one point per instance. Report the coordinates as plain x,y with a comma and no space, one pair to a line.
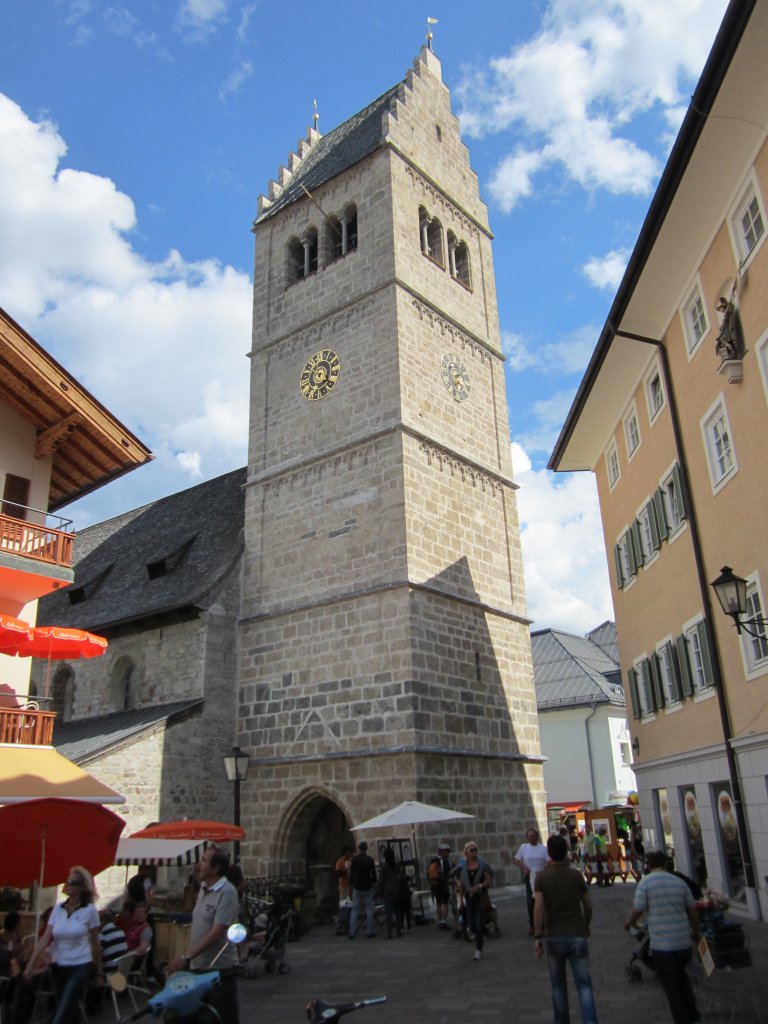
455,377
319,375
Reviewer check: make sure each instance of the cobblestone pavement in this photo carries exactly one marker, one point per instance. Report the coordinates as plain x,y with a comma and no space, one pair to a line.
429,977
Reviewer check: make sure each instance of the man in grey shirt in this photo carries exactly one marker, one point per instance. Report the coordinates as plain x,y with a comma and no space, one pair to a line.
215,910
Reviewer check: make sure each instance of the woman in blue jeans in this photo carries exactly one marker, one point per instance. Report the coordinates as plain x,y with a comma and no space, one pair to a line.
476,879
73,931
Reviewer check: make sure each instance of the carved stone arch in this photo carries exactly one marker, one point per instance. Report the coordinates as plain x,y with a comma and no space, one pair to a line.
312,831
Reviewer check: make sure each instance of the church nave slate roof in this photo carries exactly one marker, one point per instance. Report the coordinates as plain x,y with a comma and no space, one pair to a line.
165,556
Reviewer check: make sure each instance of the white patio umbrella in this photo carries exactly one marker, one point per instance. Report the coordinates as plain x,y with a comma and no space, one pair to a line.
411,812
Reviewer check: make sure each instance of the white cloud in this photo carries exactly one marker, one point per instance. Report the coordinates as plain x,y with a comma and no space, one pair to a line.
606,272
190,461
514,348
236,79
199,18
162,345
568,355
569,92
566,572
546,418
246,14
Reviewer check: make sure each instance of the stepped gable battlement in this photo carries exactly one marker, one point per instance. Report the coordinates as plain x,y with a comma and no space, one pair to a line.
319,158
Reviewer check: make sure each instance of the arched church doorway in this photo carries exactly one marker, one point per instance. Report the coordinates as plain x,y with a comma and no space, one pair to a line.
315,830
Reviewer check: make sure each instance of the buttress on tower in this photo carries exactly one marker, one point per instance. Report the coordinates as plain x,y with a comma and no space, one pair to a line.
384,645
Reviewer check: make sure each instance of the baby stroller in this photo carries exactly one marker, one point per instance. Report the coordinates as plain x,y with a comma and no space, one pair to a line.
641,952
270,927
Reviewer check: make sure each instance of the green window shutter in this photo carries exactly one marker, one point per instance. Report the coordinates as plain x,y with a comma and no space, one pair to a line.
682,494
684,666
701,629
657,687
619,570
677,680
653,522
629,540
634,696
661,513
636,533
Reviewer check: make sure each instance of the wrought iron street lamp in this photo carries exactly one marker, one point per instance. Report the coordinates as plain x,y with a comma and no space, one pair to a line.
731,592
236,766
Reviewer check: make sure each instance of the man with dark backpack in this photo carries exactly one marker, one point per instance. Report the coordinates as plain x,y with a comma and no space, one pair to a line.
437,874
362,879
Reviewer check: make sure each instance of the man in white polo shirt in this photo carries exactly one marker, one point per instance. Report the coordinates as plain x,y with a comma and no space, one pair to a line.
216,909
530,858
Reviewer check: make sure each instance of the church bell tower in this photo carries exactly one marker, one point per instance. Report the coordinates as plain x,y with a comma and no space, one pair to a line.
384,645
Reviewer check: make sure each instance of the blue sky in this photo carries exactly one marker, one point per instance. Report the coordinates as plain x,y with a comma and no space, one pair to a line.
136,137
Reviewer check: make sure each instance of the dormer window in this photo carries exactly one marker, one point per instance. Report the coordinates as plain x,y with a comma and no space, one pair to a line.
157,569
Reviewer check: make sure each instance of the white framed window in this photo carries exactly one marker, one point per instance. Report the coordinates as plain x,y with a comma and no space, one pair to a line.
669,504
654,393
747,222
612,465
648,533
754,649
694,316
718,444
643,688
695,660
631,431
626,560
669,672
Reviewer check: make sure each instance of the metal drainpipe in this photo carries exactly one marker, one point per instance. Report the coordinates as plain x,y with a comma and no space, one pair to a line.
587,720
753,899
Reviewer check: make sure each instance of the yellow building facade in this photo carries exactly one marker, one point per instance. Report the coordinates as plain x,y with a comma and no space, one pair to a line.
672,417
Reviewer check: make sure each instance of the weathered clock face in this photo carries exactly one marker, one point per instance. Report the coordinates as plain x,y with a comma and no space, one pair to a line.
455,377
319,375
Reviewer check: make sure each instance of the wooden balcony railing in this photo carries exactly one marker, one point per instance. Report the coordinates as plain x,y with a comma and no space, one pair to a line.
27,725
41,543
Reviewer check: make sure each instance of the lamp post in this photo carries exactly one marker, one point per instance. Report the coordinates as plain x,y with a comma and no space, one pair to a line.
731,592
236,767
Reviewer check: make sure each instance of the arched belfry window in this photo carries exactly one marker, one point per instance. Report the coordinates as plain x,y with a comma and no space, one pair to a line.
458,260
341,233
302,256
431,236
310,243
333,233
349,228
295,260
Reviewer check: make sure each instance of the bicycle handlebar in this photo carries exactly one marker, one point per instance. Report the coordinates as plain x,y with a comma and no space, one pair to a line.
319,1012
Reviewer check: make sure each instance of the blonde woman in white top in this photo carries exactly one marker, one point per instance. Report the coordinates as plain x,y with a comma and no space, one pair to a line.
73,934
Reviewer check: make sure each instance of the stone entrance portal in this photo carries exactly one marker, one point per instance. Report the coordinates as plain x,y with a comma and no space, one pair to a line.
314,830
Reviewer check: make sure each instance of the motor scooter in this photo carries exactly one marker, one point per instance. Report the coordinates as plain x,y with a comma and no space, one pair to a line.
185,996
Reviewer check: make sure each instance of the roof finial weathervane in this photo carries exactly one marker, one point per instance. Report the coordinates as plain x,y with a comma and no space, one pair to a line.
315,115
430,21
